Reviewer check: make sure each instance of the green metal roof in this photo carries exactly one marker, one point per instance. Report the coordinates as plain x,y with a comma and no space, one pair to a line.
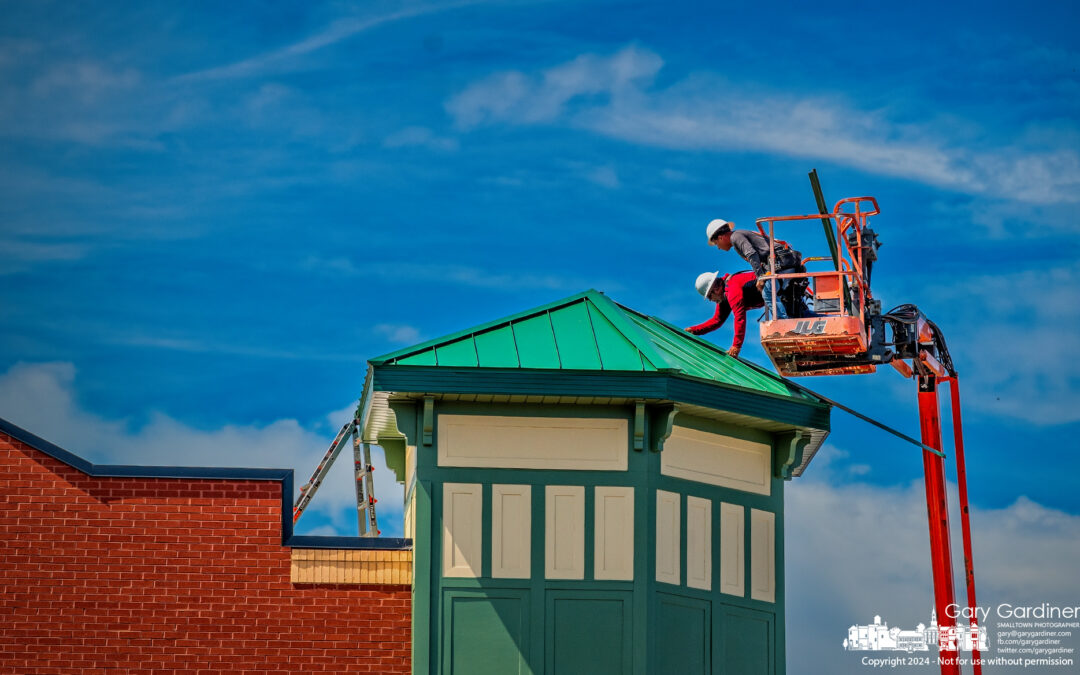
588,331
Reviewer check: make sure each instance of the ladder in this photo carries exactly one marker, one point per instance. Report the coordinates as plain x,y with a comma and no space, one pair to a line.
367,523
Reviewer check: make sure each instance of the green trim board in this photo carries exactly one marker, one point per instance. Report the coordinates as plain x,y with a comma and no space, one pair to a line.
668,386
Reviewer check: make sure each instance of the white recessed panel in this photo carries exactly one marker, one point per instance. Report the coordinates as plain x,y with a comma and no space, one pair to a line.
564,443
731,549
564,532
717,460
462,529
699,543
614,533
667,537
511,531
762,555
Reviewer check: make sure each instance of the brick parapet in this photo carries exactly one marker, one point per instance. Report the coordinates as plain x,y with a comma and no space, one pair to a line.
133,574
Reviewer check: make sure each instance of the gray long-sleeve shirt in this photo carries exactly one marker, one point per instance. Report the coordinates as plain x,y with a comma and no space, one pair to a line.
753,248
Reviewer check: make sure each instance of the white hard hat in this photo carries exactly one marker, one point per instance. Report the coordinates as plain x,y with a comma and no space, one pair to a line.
704,282
717,227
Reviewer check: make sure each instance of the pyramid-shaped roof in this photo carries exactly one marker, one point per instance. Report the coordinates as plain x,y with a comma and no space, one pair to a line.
588,349
589,332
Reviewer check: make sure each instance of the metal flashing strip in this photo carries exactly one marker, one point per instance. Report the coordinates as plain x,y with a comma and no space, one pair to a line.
284,476
354,543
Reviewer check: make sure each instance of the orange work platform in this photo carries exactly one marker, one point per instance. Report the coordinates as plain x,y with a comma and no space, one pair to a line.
808,346
835,340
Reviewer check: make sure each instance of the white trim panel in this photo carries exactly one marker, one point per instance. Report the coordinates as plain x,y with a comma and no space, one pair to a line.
511,531
731,549
564,532
717,460
462,517
762,555
699,543
667,537
613,554
562,443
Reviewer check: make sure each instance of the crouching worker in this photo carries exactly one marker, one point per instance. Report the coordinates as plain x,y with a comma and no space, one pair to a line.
733,294
754,249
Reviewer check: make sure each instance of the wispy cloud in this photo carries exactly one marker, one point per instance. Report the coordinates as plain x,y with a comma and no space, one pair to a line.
200,345
21,254
285,57
604,176
86,80
14,252
398,333
462,275
615,96
420,137
14,51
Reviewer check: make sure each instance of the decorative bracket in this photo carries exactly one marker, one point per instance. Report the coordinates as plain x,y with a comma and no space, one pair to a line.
788,452
663,421
429,420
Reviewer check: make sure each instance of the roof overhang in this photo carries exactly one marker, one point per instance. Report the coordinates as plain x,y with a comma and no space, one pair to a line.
725,402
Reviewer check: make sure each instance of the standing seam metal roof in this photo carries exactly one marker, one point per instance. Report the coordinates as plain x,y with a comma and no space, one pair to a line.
588,331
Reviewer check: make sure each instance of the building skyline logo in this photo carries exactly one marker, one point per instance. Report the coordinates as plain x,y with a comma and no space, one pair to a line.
879,637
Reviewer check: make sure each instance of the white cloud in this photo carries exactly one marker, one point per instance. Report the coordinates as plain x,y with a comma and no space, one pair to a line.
40,397
856,550
398,333
613,96
517,97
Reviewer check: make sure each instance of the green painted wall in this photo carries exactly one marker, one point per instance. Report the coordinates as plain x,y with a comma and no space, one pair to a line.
487,625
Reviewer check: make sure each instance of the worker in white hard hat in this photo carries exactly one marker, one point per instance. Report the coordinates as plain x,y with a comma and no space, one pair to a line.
754,249
733,294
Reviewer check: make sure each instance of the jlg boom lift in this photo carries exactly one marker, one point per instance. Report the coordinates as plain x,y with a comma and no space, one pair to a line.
851,335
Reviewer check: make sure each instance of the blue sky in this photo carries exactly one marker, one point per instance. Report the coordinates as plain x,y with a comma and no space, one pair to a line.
212,215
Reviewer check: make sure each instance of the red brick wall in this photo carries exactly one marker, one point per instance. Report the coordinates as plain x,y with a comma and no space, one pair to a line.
153,574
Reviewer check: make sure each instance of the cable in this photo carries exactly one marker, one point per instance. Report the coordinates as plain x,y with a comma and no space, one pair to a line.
841,406
864,418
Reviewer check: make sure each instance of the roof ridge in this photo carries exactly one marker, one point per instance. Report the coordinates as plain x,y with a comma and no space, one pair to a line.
474,330
614,312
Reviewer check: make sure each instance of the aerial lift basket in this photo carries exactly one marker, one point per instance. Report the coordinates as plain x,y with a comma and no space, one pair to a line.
836,341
